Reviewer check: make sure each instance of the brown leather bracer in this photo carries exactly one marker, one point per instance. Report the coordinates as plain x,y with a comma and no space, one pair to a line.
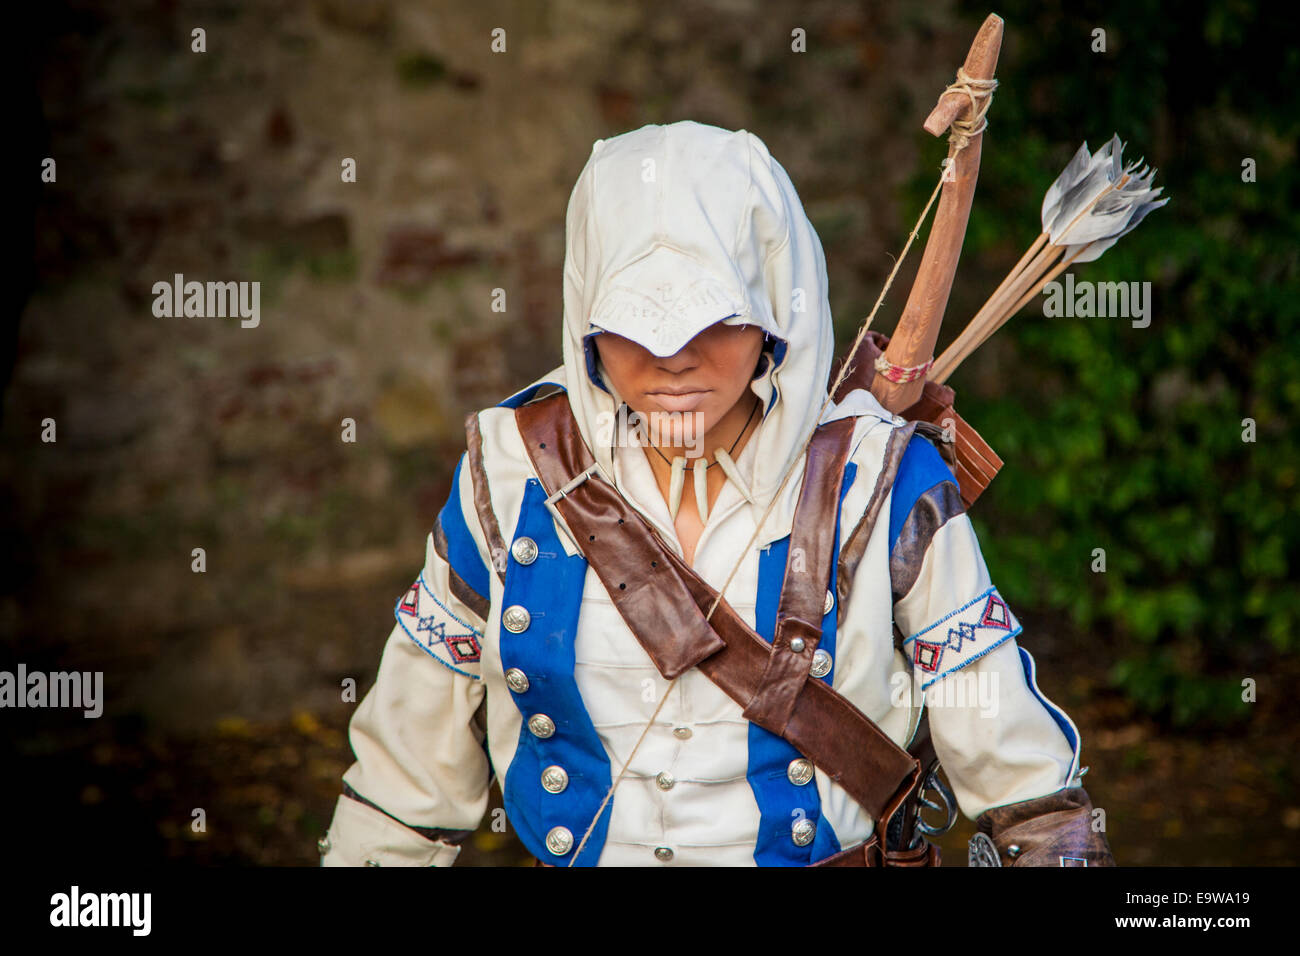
1055,830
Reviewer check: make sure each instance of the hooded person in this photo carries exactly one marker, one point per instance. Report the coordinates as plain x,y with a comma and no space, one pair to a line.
511,657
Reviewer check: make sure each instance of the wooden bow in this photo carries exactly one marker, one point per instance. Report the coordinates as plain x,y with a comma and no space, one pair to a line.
913,341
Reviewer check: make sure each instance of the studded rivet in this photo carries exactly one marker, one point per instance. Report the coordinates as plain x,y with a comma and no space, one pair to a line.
517,680
663,853
323,844
828,603
559,840
1013,850
516,619
554,779
682,733
821,663
372,862
803,831
665,780
796,644
541,726
800,771
524,550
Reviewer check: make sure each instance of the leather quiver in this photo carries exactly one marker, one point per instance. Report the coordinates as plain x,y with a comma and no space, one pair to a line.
968,455
1055,830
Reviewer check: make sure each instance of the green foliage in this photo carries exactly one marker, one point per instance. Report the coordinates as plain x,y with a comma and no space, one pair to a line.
1131,439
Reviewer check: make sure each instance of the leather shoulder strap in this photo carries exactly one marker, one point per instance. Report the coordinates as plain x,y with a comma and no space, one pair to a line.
664,603
807,575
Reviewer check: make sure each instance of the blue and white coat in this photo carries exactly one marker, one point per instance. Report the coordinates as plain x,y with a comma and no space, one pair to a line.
705,783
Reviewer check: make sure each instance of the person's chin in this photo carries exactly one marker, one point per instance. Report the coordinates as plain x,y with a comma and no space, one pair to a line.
680,428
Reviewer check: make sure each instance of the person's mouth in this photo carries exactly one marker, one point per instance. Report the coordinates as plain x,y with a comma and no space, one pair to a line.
679,399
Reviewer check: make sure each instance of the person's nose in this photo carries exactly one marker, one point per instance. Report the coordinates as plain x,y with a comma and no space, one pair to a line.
680,361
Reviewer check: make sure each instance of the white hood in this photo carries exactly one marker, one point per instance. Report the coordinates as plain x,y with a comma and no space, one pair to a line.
680,226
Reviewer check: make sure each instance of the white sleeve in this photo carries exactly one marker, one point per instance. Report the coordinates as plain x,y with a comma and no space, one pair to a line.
420,781
997,737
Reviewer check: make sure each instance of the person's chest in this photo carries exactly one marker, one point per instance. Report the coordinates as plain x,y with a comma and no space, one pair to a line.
689,525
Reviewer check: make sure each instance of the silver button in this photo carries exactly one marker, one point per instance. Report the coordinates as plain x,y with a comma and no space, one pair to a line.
372,862
559,841
541,726
516,619
821,665
665,780
517,680
554,779
796,644
803,831
323,844
682,733
663,853
829,602
800,771
1013,851
524,550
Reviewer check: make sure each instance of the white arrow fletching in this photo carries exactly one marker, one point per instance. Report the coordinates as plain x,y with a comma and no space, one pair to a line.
1072,173
1095,249
1088,205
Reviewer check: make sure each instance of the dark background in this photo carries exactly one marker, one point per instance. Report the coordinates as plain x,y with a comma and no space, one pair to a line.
223,688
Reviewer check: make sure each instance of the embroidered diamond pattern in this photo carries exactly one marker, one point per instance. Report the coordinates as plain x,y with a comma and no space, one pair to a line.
411,601
996,614
437,625
965,637
962,632
927,655
434,627
464,648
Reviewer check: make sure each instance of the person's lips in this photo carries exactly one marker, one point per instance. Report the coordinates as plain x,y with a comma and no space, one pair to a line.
679,399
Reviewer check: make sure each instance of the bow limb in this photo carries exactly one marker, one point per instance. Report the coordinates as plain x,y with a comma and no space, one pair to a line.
914,339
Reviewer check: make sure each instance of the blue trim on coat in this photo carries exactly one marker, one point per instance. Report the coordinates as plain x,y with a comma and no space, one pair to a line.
780,802
551,590
589,352
921,468
779,349
524,395
1062,719
462,551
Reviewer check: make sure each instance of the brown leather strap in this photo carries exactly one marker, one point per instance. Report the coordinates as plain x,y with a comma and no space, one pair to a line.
487,518
664,603
922,748
855,545
864,854
927,854
807,577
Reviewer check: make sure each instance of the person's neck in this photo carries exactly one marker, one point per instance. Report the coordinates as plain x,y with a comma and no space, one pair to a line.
731,433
